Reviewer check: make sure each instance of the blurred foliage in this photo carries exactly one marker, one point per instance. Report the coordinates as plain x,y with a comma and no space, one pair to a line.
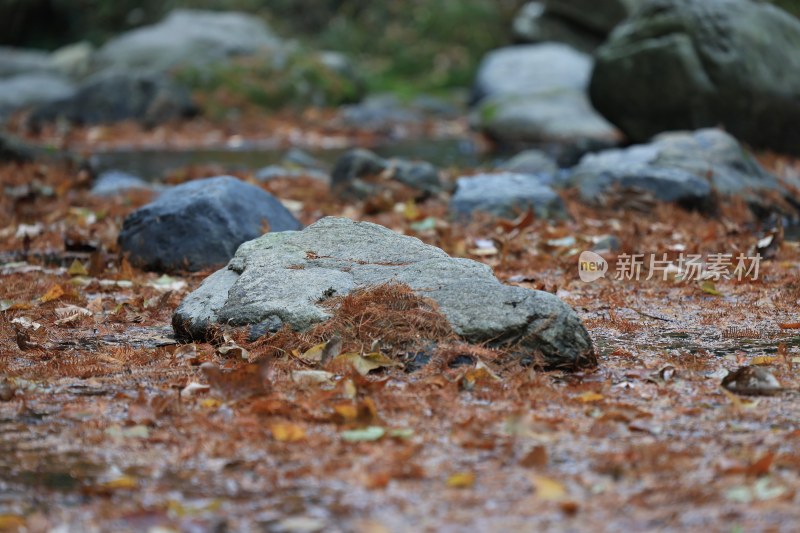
404,46
792,6
301,78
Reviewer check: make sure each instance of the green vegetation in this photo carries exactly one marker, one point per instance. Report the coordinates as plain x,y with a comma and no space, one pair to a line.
302,78
403,46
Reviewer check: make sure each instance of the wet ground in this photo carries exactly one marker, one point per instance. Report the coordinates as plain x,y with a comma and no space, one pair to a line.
111,426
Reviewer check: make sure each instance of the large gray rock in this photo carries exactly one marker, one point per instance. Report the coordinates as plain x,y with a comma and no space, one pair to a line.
287,275
537,93
187,37
563,115
531,161
599,16
15,61
683,167
534,24
200,224
115,182
113,97
687,64
507,195
360,174
32,89
531,68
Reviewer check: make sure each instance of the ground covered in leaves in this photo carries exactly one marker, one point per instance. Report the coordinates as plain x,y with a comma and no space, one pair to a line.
358,425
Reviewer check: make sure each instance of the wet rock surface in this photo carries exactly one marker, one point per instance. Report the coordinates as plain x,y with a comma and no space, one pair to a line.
683,167
112,98
507,195
361,174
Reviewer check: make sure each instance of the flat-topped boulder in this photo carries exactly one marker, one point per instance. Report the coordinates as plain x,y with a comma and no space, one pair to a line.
289,275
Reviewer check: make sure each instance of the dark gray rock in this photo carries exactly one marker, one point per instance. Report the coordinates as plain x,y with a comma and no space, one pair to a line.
288,274
534,24
115,182
684,64
33,89
380,112
531,162
507,195
360,174
15,150
187,37
200,224
599,16
118,97
682,167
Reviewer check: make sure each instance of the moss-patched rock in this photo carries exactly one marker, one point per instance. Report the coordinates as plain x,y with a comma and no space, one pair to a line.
289,275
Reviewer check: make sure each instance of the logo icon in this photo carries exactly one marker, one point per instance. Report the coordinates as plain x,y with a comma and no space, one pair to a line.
591,266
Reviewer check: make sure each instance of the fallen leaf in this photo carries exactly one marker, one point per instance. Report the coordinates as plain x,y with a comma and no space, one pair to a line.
70,314
364,364
186,353
194,388
287,432
589,397
536,457
231,349
77,269
367,434
480,374
120,483
53,293
10,522
708,287
548,489
314,354
461,480
312,376
764,360
752,380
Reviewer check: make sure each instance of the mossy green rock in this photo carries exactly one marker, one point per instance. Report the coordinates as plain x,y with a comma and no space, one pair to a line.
687,64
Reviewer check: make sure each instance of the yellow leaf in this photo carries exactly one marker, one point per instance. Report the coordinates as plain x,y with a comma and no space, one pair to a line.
348,411
708,287
314,354
548,489
461,480
364,364
210,403
764,360
120,483
10,522
287,432
53,293
77,269
410,211
589,397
